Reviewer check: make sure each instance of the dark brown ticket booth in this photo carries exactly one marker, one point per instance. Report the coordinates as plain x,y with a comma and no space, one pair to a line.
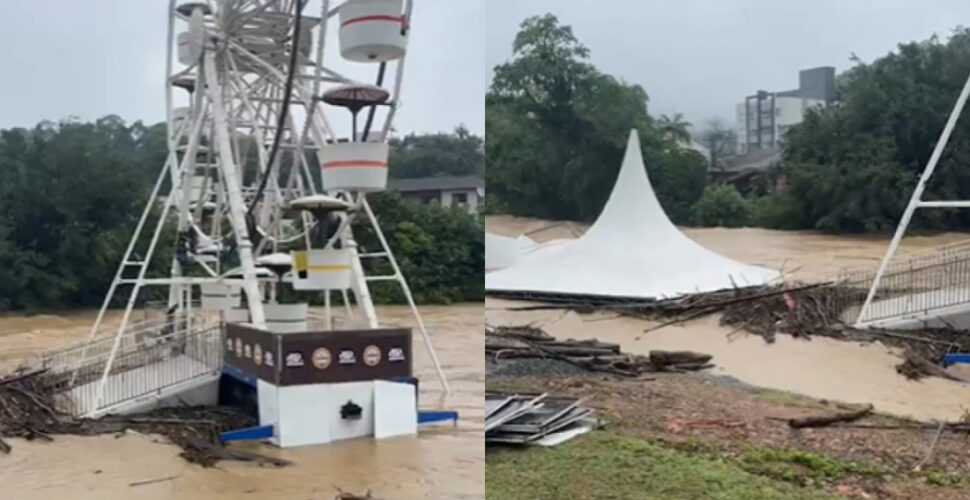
329,356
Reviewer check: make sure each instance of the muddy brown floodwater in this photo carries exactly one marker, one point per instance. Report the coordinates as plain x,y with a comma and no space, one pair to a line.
822,368
443,462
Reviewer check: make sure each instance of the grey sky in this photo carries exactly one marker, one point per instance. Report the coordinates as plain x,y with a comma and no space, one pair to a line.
700,57
67,57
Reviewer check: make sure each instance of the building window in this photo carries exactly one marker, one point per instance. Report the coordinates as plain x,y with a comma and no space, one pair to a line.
460,199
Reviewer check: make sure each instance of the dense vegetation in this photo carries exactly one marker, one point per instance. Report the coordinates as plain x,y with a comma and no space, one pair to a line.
431,155
556,128
71,193
853,167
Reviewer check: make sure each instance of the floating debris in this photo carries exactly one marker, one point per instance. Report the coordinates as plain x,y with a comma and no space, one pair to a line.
29,409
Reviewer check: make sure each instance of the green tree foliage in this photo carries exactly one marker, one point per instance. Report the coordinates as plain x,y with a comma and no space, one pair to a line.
431,155
71,194
853,166
441,251
675,128
557,130
721,205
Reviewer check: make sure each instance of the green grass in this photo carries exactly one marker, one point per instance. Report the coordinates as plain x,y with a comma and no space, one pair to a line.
798,466
940,478
606,465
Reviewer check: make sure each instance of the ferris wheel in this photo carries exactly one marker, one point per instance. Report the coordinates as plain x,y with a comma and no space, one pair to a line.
272,149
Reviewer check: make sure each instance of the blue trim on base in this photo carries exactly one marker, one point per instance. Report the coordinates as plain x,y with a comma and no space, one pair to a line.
432,416
247,434
239,375
949,359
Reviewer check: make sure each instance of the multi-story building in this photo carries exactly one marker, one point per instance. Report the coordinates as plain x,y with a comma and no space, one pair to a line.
763,118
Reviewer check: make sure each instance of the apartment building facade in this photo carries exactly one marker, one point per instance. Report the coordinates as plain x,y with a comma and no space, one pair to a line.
764,117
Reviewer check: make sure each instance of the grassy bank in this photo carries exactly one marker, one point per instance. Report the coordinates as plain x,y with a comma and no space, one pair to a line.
695,437
605,464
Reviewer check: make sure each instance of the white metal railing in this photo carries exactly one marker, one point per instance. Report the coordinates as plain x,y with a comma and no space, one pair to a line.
919,284
151,356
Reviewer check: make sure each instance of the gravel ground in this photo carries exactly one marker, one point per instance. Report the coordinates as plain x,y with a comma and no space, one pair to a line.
539,368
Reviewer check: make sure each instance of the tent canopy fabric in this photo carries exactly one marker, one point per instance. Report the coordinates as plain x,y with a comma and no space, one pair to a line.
503,251
632,251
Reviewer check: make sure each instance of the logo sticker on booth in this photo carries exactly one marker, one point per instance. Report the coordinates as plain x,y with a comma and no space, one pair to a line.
395,354
268,358
294,359
372,355
321,358
257,354
347,357
239,351
247,351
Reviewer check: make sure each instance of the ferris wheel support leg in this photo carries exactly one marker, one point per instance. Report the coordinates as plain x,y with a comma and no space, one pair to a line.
361,290
132,299
407,294
237,206
143,267
916,200
346,299
131,247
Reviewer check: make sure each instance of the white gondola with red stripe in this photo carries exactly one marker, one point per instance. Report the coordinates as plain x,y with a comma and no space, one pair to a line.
354,166
372,30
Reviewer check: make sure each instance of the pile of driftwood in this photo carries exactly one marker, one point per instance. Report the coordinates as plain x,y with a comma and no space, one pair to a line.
796,309
800,311
516,342
29,409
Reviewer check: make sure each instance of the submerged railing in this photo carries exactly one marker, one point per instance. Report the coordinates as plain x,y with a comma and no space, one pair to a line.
151,356
912,286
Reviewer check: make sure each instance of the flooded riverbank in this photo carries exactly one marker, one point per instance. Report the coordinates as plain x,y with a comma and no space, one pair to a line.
442,463
821,368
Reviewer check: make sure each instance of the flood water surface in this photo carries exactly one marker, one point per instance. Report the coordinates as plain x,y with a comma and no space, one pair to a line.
445,462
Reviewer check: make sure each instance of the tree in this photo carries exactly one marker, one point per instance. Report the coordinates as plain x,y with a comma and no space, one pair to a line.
557,129
69,194
675,128
719,139
853,166
441,250
721,205
431,155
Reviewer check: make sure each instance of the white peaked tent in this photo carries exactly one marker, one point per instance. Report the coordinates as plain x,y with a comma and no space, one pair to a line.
631,251
503,251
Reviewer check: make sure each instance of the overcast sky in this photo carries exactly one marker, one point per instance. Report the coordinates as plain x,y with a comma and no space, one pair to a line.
700,57
60,58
